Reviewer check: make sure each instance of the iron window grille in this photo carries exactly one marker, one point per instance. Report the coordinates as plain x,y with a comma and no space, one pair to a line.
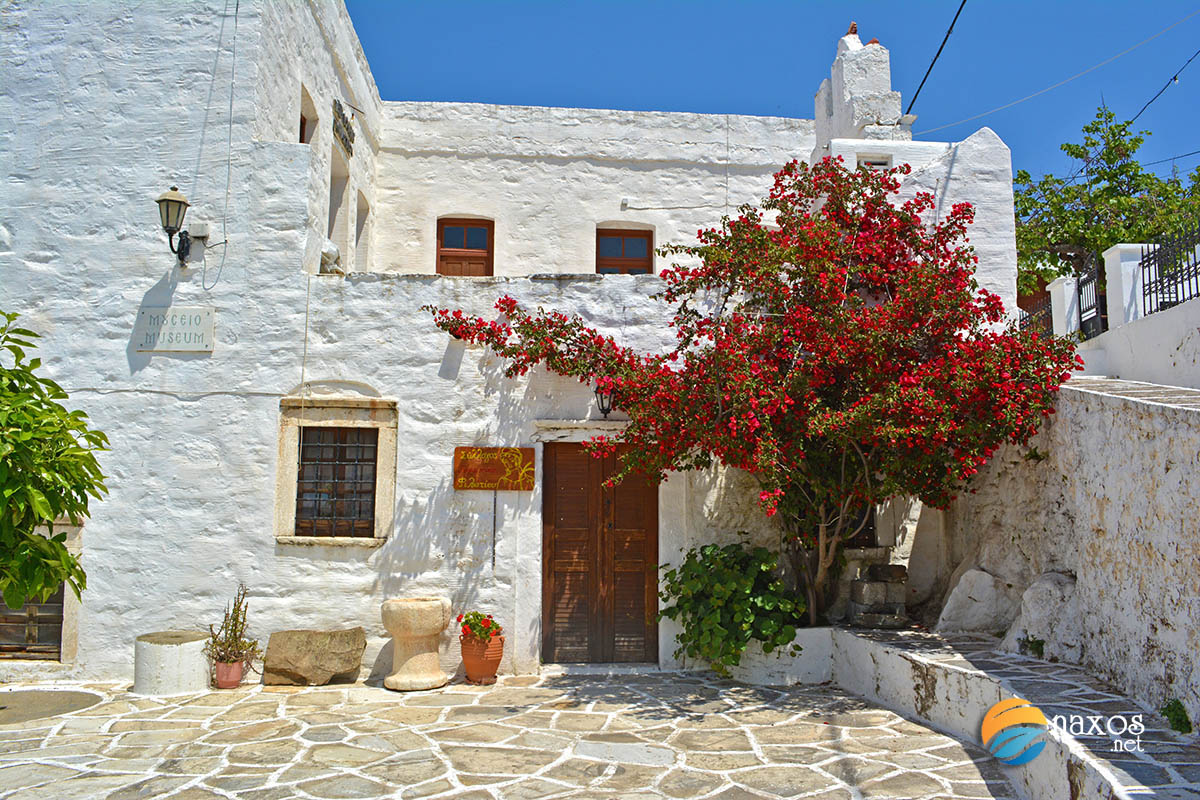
335,491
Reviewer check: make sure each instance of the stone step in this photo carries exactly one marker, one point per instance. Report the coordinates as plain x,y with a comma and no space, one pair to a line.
891,573
870,593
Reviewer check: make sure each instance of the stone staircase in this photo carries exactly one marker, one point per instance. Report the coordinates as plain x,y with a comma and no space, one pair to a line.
877,597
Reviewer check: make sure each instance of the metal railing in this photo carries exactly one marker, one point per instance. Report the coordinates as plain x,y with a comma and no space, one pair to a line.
1037,318
1093,311
1171,271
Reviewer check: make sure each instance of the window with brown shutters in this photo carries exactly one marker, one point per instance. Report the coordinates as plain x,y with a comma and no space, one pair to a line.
465,246
335,490
34,630
622,252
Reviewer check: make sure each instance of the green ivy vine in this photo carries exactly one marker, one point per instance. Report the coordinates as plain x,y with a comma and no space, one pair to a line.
725,596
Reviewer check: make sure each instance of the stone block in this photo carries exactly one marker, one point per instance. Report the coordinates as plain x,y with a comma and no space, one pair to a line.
313,658
868,593
1049,615
170,662
887,572
887,621
979,602
897,593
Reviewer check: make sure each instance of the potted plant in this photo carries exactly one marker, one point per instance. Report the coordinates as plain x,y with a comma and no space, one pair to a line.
482,646
228,648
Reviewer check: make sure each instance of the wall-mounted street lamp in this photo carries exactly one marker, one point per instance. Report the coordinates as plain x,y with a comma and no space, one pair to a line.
172,206
604,401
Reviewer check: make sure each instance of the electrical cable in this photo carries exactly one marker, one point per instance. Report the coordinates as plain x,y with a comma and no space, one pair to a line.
1172,158
1108,60
946,38
228,159
1173,79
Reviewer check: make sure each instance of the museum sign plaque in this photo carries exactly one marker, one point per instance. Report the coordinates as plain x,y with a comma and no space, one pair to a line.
174,329
497,468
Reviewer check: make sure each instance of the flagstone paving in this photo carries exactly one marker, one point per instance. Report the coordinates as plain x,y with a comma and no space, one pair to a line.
652,735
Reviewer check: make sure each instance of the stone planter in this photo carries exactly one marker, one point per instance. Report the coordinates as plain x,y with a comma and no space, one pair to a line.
415,625
781,668
170,662
481,658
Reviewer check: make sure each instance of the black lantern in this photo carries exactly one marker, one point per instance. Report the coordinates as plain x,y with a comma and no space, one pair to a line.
604,401
172,207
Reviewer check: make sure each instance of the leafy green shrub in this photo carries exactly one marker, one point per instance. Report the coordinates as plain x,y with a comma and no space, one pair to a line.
48,471
726,596
1177,716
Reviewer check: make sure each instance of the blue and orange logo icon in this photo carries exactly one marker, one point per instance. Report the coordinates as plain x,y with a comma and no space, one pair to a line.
1010,730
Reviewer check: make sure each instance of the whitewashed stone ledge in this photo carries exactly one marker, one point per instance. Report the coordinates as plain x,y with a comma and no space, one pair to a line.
949,683
814,664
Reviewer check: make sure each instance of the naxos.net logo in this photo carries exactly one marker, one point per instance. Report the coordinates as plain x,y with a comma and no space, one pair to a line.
1012,731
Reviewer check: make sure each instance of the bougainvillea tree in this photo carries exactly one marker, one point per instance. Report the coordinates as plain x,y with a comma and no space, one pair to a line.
842,354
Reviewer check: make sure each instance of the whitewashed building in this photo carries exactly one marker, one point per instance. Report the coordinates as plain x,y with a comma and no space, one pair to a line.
323,217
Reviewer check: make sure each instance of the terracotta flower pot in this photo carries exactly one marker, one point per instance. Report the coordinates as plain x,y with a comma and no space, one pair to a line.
481,658
228,675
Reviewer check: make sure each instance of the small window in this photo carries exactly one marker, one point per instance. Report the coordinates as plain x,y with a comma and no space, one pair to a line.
624,252
465,246
35,629
308,117
336,479
335,487
875,162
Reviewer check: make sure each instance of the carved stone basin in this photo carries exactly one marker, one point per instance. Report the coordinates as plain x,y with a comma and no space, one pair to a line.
415,625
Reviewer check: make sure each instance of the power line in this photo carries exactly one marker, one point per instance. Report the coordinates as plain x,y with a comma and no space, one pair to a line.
1108,60
945,38
1173,79
1172,158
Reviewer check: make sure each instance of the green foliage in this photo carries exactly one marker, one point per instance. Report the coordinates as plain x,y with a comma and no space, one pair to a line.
228,644
1063,224
1033,646
1177,716
726,596
1035,455
48,472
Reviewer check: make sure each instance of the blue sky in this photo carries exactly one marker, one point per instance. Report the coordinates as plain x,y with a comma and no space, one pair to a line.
767,58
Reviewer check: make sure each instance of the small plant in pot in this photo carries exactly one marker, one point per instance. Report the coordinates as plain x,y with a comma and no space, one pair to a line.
228,648
482,646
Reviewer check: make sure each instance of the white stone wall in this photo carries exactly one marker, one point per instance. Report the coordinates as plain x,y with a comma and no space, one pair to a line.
1162,348
549,177
1114,505
313,47
109,104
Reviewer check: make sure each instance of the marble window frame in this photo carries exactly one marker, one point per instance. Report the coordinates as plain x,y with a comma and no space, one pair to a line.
335,412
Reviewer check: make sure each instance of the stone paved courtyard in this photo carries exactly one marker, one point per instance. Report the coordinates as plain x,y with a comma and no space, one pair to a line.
629,736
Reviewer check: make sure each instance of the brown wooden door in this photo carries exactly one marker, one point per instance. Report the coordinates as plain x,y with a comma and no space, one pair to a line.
600,561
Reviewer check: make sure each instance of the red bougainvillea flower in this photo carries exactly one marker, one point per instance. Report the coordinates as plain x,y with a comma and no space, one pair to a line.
842,353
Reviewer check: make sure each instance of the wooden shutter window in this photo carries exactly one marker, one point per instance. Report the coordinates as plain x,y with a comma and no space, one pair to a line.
465,246
335,490
34,630
622,252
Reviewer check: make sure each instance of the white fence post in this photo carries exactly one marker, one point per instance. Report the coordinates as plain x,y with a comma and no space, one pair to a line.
1123,274
1064,305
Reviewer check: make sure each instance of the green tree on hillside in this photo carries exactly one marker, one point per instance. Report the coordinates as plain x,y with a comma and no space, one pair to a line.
1062,223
